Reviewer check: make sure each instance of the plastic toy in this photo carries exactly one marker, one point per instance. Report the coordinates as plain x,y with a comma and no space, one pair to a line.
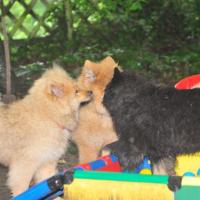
53,187
189,82
188,164
90,185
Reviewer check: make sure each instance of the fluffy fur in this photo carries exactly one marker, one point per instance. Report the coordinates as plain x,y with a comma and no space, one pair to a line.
95,126
34,131
159,122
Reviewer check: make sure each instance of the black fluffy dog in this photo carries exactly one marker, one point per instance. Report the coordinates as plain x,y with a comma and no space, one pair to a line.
149,120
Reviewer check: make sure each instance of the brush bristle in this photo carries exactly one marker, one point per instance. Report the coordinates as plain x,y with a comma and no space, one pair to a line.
83,189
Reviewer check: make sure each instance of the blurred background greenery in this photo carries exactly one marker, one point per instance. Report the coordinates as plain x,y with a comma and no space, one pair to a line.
158,38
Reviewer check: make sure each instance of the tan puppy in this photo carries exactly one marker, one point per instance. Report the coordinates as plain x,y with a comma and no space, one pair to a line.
95,128
34,131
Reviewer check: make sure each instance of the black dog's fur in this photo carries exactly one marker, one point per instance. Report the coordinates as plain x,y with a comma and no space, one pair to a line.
149,120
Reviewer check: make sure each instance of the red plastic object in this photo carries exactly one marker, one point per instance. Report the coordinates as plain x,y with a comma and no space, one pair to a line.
104,163
110,166
188,82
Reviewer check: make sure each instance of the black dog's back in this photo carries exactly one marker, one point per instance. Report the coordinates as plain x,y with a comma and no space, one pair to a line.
160,121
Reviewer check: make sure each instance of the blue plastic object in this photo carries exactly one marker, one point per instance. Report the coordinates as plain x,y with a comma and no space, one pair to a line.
35,193
145,164
188,174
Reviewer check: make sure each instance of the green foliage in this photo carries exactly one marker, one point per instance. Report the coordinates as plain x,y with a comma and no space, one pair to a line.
158,38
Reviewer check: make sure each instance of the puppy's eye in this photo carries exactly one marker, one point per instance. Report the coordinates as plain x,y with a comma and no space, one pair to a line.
76,91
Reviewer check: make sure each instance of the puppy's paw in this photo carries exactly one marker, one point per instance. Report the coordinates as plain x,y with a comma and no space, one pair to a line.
128,155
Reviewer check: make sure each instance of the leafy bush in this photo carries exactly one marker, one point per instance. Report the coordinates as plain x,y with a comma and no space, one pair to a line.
158,38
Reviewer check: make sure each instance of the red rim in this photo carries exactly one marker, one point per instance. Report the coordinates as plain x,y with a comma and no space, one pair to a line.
188,82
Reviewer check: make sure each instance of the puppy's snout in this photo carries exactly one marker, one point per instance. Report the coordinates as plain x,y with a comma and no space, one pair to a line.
89,93
88,97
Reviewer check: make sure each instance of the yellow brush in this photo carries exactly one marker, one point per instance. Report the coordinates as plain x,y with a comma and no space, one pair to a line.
91,185
188,163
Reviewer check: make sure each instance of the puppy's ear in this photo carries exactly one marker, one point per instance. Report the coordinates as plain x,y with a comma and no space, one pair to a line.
89,74
87,63
88,71
109,60
56,90
117,75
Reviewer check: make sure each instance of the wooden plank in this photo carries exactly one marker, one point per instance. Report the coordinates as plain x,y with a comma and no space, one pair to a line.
28,10
19,22
8,7
40,23
36,17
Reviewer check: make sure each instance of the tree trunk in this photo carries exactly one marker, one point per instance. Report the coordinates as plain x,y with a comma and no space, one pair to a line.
68,11
8,97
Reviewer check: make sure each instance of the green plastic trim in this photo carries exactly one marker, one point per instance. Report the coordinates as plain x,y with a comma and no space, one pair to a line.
188,192
118,176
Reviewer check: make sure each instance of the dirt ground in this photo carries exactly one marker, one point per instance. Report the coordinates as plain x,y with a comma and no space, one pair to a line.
4,192
70,159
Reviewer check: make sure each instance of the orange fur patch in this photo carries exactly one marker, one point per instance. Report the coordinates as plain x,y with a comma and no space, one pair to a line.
95,126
